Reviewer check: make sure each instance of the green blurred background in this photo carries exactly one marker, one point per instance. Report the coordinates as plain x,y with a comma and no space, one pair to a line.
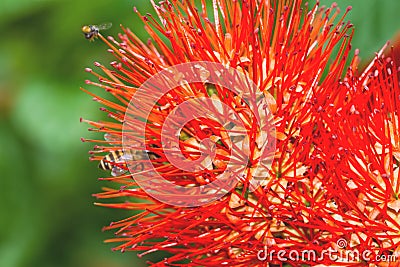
47,213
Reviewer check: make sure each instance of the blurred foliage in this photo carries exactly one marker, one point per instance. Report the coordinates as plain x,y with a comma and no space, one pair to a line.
375,23
47,216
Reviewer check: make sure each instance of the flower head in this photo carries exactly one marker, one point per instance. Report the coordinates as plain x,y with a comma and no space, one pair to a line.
334,171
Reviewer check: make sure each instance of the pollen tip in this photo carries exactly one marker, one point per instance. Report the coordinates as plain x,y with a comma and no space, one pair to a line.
103,109
97,64
80,119
88,69
349,8
83,139
88,81
135,9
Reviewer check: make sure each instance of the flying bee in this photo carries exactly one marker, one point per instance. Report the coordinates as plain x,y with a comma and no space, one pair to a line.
92,31
117,161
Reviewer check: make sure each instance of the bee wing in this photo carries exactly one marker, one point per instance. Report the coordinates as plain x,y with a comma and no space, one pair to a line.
127,156
117,171
112,138
134,159
104,26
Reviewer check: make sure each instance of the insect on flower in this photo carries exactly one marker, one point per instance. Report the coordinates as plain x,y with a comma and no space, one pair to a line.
116,160
92,31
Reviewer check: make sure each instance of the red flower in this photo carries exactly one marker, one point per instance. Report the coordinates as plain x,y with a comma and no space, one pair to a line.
333,187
